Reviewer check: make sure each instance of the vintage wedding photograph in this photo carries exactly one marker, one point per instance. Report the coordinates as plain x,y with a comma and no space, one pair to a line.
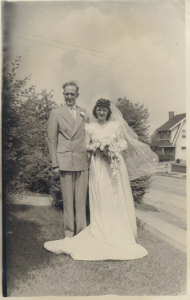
94,148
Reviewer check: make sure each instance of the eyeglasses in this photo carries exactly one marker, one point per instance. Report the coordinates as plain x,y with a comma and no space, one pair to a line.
67,94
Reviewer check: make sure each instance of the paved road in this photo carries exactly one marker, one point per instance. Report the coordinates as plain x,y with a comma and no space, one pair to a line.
168,194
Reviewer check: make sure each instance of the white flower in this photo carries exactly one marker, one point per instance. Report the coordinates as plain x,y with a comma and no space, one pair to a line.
89,147
94,147
102,145
111,154
111,148
108,142
97,144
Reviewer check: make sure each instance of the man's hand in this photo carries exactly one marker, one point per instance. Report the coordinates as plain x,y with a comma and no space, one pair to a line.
56,170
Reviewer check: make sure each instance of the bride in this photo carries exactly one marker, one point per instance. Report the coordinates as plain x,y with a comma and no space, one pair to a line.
112,230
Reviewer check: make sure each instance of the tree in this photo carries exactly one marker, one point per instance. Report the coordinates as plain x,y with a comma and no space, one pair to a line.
26,161
11,104
137,118
35,167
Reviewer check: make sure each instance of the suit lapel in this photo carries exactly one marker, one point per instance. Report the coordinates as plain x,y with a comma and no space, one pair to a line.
78,120
67,116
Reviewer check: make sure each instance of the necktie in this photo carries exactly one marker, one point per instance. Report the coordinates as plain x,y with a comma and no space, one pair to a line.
72,112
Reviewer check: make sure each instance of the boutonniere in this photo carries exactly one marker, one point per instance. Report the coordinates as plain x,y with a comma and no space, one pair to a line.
85,116
82,114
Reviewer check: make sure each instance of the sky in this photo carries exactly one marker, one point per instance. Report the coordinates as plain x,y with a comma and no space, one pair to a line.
129,48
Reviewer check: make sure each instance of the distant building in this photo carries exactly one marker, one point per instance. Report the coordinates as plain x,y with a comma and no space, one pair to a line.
171,136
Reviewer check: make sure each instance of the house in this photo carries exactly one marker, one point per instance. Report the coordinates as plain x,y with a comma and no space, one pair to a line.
171,136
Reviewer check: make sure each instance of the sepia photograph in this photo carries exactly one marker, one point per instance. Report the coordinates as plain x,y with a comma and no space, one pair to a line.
94,148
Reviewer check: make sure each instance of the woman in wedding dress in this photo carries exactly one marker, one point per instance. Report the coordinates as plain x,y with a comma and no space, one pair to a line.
112,230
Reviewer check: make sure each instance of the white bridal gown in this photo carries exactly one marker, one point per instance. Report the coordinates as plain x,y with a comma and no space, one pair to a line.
112,230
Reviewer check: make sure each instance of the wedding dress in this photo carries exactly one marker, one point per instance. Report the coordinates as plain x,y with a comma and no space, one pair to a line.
112,230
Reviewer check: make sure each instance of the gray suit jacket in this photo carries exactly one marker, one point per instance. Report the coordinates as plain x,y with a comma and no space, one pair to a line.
66,140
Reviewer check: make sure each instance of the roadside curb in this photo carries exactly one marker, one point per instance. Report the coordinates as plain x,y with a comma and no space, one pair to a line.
170,175
170,233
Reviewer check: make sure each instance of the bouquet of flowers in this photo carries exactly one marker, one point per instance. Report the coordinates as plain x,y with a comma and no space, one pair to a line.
108,150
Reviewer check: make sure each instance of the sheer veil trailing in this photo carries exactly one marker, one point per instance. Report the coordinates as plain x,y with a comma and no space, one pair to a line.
139,158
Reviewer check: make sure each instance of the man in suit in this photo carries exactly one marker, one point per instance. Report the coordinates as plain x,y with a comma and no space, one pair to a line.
66,138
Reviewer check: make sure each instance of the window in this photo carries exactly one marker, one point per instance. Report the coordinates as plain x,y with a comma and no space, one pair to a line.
164,135
167,135
183,148
183,134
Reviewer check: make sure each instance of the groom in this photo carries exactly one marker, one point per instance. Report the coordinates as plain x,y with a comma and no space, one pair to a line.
66,139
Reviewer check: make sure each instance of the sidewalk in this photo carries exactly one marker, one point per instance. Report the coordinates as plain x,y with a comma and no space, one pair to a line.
168,232
168,195
35,199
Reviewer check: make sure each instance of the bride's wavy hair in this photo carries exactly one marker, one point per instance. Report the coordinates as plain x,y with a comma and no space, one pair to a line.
102,103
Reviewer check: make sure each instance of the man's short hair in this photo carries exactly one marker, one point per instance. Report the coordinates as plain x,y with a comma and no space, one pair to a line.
70,83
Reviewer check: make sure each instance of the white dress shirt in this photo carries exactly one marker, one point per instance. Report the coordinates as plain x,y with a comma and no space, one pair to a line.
72,110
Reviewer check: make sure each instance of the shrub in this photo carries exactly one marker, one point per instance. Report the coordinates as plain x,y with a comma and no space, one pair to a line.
163,156
11,104
26,162
169,157
35,170
139,187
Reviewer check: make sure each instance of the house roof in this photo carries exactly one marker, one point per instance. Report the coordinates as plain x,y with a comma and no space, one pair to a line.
172,122
162,143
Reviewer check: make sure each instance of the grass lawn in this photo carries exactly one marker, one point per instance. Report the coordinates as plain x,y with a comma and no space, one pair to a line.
33,271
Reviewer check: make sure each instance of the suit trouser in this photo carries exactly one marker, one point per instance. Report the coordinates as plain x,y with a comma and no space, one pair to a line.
74,186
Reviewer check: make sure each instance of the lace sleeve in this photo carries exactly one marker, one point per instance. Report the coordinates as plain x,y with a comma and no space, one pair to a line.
120,137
